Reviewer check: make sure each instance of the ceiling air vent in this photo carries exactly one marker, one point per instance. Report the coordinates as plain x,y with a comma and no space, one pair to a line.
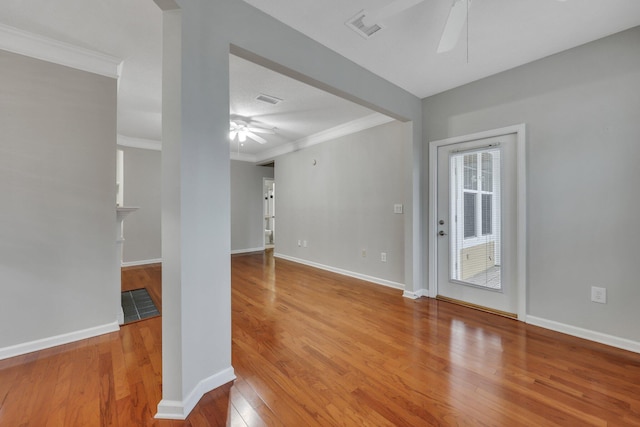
268,99
356,23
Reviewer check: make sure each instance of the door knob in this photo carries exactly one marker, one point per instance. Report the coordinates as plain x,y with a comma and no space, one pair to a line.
442,233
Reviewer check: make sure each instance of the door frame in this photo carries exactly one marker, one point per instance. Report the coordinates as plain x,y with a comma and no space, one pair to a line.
521,208
273,228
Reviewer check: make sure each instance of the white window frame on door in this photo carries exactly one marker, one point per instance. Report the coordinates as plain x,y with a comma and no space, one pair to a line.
521,208
460,189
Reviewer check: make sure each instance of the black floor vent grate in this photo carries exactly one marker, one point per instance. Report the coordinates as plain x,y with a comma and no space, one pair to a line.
138,305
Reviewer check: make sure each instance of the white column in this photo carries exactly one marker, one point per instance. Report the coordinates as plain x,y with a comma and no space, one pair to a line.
196,276
171,405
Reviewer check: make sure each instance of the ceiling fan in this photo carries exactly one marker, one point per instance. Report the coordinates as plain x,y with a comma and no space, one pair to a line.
246,128
368,22
455,22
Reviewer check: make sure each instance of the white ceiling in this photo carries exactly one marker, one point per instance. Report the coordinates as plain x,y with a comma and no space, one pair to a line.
502,35
303,111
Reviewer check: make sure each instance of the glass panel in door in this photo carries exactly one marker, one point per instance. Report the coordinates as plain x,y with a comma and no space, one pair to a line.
475,213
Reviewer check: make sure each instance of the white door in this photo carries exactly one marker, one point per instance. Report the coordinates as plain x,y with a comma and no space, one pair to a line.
476,240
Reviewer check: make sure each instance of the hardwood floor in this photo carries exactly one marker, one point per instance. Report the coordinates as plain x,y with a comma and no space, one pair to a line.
149,277
314,348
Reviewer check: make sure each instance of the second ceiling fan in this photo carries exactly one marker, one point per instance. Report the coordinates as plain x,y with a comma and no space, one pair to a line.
243,129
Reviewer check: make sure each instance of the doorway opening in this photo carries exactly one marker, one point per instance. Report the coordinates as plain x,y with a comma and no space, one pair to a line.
269,206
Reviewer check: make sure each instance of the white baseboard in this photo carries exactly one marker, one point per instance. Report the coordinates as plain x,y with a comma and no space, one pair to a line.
42,344
599,337
141,262
179,410
416,294
246,251
375,280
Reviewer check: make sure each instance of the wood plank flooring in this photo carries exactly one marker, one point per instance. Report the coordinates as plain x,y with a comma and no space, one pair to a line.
311,348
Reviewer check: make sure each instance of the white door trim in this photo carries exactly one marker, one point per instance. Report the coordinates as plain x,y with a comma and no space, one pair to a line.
521,207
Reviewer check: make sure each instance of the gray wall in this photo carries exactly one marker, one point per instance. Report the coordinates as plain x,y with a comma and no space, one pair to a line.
344,203
582,110
142,188
247,223
58,267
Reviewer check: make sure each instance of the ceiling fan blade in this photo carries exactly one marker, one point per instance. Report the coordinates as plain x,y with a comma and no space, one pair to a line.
453,27
256,138
261,130
376,15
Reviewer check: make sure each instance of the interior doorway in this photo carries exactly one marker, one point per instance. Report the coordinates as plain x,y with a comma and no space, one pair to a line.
269,212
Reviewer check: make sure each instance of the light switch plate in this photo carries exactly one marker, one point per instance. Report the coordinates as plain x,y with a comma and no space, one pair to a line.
398,208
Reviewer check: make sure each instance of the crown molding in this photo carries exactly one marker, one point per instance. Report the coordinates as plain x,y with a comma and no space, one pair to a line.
143,143
50,50
349,128
274,152
336,132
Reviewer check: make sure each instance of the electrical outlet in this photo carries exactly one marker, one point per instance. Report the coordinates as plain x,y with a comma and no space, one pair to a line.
398,208
304,243
599,295
383,256
364,253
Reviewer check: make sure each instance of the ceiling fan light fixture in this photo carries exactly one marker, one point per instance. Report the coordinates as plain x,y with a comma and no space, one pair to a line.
248,129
